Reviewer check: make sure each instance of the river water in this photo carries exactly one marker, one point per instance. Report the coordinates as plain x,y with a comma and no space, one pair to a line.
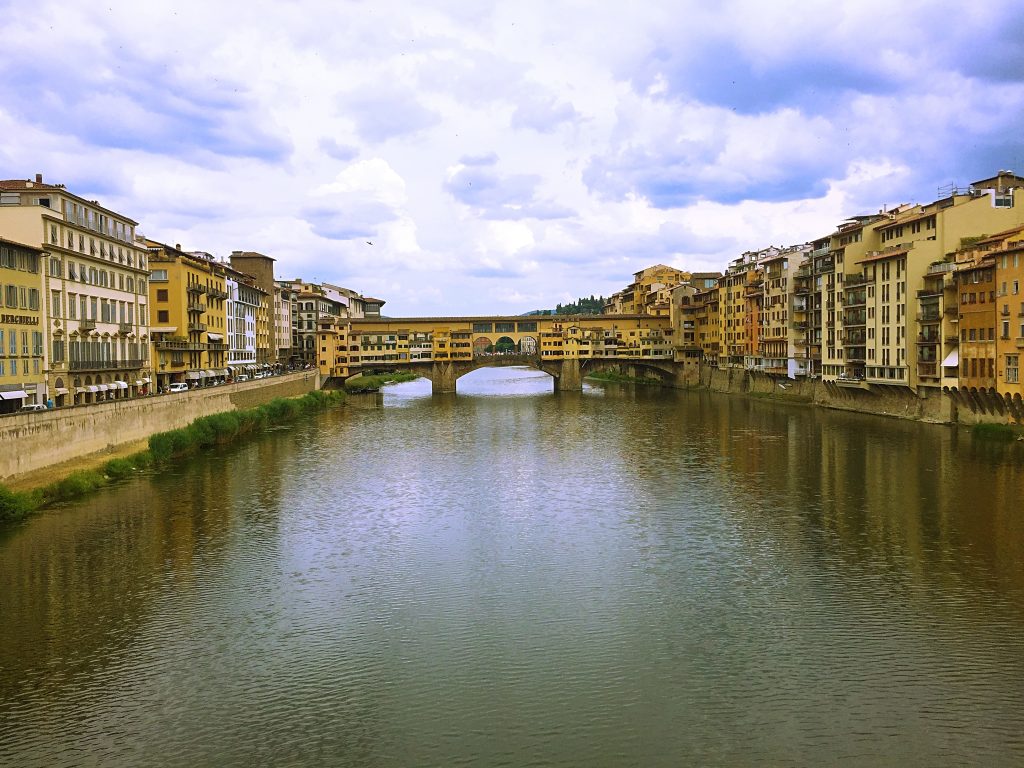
514,577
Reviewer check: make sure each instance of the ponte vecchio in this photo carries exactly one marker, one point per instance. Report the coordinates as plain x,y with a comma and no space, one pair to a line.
443,349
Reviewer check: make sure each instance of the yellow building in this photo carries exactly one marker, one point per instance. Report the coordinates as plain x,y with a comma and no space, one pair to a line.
649,293
708,324
882,328
22,321
333,347
95,288
739,297
188,300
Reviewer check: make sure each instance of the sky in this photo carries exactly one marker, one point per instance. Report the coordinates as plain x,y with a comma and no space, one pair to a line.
460,158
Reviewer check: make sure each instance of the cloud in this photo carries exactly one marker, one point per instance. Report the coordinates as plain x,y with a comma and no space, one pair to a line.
337,150
383,112
543,114
500,196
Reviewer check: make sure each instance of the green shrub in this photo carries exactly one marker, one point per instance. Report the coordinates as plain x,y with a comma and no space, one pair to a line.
73,486
15,505
118,468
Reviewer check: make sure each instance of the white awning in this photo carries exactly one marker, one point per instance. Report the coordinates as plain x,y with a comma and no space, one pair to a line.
14,394
147,381
222,372
139,383
121,384
92,388
60,390
102,387
191,374
952,359
210,373
214,336
163,329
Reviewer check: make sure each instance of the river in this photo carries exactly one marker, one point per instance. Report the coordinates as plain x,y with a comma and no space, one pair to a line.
514,577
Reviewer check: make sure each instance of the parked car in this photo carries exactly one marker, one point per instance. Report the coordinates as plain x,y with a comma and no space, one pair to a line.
242,377
178,386
34,407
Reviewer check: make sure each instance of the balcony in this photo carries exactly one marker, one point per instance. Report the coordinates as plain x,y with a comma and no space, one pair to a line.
125,328
852,280
215,293
928,317
927,292
196,327
855,337
196,288
927,370
855,318
928,338
105,365
180,346
856,299
195,306
87,325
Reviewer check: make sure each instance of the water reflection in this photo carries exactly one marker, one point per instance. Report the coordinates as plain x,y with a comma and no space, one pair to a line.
511,576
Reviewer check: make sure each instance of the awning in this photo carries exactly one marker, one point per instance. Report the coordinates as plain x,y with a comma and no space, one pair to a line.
102,387
222,372
92,388
214,336
139,383
60,390
211,373
163,329
121,384
147,381
191,375
952,359
14,394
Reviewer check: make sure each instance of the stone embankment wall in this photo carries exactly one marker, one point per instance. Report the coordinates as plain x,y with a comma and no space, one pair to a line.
932,405
900,402
33,441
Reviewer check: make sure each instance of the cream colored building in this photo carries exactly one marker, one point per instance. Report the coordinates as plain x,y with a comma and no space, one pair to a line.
95,285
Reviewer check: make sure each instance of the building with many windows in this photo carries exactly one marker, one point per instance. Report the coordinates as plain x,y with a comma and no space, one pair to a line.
188,299
96,333
22,320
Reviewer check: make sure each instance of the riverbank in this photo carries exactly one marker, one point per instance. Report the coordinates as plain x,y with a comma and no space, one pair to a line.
72,480
373,382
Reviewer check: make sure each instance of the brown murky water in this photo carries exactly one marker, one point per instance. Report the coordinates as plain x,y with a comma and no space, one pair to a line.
513,577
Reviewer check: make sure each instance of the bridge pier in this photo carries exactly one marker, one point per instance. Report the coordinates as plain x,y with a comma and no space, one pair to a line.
569,379
442,378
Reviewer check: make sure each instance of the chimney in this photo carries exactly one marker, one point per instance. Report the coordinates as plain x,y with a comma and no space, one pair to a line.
39,178
177,246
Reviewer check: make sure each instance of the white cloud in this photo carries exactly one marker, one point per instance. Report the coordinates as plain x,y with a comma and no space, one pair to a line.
597,139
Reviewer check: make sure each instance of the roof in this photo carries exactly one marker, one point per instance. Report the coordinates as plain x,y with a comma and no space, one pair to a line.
883,255
19,185
375,301
26,246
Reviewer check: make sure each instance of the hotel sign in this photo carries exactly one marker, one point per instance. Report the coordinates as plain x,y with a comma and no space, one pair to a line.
19,319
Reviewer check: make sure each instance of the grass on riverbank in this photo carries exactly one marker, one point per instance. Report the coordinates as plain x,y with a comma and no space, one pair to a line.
204,432
621,378
373,382
1003,433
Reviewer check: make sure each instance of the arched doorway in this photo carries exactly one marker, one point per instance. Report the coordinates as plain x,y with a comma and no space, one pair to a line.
528,345
59,393
505,346
482,345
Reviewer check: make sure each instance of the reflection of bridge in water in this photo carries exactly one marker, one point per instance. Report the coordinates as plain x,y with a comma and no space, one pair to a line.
444,349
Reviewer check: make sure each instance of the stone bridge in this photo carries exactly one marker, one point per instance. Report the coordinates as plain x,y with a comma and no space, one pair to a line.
567,348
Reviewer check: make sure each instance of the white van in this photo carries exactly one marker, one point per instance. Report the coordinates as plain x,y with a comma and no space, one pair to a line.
34,407
178,386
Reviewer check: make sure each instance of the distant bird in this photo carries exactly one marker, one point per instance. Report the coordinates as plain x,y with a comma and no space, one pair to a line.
369,243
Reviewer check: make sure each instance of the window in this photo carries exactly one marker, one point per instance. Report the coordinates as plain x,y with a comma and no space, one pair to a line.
158,276
161,294
162,316
1012,369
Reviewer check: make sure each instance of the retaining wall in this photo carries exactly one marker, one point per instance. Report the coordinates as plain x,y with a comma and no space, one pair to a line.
33,441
